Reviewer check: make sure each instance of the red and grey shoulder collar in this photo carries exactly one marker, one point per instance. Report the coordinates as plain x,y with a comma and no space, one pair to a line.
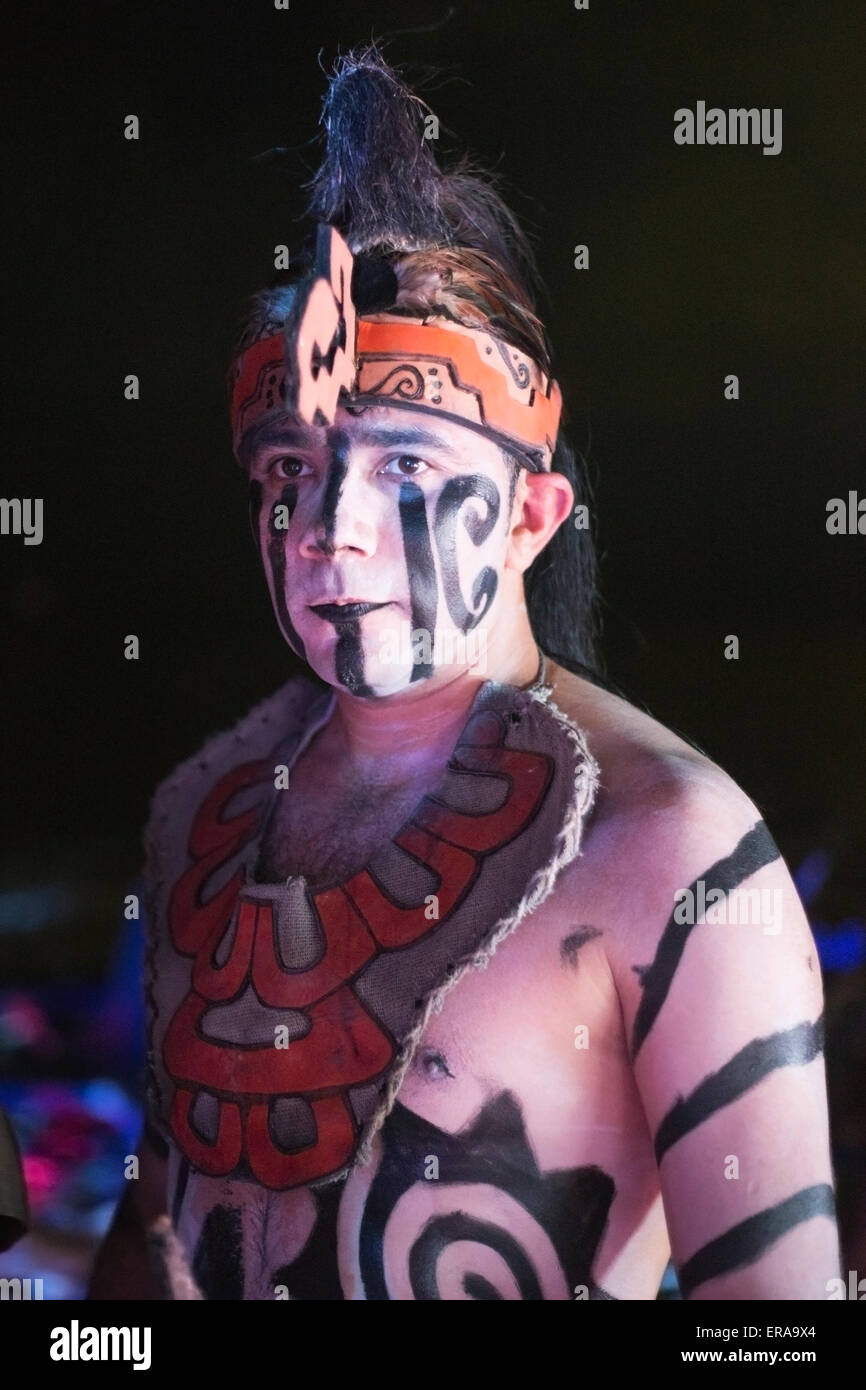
283,1020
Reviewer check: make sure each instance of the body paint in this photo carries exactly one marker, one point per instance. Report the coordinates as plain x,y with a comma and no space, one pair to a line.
419,558
451,499
572,943
443,1231
794,1047
218,1264
314,1274
420,568
746,1242
754,850
333,488
570,1207
349,659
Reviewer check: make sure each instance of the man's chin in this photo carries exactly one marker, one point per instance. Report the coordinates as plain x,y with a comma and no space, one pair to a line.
381,680
376,657
370,678
365,657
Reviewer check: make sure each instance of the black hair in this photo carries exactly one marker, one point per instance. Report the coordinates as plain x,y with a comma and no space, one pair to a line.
561,584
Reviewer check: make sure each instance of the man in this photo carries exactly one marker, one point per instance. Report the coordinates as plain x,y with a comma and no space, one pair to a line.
467,979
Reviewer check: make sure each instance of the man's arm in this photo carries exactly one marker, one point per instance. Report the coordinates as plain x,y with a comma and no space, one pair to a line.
720,986
122,1269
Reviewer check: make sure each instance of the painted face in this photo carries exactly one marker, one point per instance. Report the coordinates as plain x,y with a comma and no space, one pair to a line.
384,539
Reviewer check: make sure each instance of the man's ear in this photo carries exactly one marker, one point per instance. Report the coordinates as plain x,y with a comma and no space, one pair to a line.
541,504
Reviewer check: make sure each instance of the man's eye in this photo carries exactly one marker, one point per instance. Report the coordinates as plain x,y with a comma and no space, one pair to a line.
418,466
286,466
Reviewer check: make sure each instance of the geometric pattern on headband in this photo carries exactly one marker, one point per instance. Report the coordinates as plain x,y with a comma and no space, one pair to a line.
326,354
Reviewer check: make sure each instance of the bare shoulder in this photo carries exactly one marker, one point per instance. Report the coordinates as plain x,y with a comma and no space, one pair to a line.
646,768
665,815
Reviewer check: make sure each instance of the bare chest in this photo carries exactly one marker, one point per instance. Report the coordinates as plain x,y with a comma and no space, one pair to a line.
515,1163
326,830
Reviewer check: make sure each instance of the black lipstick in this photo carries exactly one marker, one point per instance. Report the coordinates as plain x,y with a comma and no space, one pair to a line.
343,612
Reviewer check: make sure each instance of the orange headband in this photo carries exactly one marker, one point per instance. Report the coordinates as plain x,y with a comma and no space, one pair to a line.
433,365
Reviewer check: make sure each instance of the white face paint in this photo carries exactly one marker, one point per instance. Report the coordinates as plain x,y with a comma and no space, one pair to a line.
384,538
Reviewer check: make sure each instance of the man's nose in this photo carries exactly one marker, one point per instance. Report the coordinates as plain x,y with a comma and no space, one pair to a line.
343,513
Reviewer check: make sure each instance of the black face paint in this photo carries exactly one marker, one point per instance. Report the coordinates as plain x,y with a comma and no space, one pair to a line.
349,658
756,849
746,1242
570,1206
794,1047
451,499
420,568
218,1264
571,944
277,562
333,488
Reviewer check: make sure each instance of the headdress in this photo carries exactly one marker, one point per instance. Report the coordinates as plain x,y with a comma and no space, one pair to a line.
393,230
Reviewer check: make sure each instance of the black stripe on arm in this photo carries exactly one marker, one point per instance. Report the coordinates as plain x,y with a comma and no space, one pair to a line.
794,1047
756,849
743,1244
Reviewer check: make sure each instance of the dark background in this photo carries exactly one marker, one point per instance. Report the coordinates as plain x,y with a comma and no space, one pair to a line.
710,514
